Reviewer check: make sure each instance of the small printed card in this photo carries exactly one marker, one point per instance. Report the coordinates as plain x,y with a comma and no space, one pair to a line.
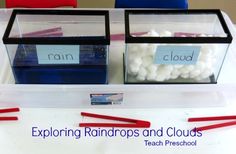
106,99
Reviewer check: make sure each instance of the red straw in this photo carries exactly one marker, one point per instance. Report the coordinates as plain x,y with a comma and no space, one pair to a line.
226,124
198,119
133,123
8,118
9,110
108,117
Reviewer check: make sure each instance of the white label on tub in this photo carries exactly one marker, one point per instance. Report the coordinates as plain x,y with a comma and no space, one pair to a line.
58,54
177,54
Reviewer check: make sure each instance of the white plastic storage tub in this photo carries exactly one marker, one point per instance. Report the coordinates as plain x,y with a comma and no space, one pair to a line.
134,96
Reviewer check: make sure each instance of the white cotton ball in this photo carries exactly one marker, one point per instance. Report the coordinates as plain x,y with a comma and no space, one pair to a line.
142,72
147,60
175,72
137,61
198,78
160,77
214,47
194,73
141,51
209,64
129,71
202,35
152,68
140,78
184,70
148,33
190,67
166,34
165,69
153,33
205,57
133,69
143,46
167,77
168,68
151,50
132,56
206,73
178,66
151,76
207,51
163,73
217,52
133,48
172,76
185,76
138,50
204,49
200,65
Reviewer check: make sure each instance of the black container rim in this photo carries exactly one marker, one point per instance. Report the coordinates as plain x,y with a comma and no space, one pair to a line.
93,40
138,39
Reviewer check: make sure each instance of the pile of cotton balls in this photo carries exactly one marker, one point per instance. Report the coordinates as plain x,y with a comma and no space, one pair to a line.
141,65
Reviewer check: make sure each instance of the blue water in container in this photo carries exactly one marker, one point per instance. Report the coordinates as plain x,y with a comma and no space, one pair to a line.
92,68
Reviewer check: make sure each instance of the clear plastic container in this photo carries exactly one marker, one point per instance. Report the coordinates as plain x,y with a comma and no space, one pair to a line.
175,46
58,46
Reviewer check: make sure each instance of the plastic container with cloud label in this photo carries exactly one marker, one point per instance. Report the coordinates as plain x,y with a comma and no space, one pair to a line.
176,46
